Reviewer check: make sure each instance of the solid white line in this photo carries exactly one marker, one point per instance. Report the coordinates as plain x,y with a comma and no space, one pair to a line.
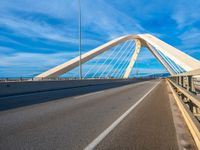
28,94
97,140
88,94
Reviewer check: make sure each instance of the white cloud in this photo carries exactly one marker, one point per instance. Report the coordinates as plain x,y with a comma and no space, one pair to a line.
186,12
57,9
108,20
33,28
34,60
189,40
101,21
104,21
6,50
29,64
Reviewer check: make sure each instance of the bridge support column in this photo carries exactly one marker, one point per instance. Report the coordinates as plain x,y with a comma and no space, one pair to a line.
133,59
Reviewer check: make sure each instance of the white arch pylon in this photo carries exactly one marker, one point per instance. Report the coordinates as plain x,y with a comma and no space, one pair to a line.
183,60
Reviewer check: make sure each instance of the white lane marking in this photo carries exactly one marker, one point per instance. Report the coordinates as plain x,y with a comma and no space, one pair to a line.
126,86
28,94
97,140
88,94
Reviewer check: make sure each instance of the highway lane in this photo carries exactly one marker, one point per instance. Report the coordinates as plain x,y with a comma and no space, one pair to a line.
67,123
26,99
148,127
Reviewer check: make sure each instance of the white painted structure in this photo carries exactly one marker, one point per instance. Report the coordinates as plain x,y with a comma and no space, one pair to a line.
142,40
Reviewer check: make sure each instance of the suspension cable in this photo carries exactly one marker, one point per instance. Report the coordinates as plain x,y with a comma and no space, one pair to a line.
102,65
109,57
119,59
169,63
125,57
126,61
125,65
114,56
91,68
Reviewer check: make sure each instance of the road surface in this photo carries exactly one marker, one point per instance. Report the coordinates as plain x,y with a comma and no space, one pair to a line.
78,121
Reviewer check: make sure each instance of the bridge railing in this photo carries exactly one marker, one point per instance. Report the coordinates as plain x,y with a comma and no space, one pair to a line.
28,79
186,90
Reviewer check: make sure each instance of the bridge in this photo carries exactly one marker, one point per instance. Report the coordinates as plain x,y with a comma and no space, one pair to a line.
106,108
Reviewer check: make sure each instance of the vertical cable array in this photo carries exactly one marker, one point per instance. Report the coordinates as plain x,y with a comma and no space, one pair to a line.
102,65
117,63
97,62
169,62
124,62
112,59
176,68
109,64
118,56
120,73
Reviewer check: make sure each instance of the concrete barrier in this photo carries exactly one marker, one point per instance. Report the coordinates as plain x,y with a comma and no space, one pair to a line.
15,88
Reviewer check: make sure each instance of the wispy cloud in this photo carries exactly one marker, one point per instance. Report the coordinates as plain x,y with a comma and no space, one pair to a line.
109,20
57,9
51,27
29,64
35,29
190,38
35,59
29,26
186,12
5,50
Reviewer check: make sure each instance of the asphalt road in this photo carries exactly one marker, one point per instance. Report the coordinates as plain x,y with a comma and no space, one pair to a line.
74,122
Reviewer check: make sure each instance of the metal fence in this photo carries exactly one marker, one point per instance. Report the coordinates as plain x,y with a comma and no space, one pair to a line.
186,90
29,79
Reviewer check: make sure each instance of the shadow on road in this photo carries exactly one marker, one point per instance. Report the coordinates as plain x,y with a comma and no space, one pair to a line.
11,102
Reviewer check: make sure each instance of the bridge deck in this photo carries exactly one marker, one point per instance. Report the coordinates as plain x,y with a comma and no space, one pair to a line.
149,126
74,122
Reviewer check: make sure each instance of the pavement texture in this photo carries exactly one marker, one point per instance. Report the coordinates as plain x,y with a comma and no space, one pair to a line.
72,122
21,100
148,127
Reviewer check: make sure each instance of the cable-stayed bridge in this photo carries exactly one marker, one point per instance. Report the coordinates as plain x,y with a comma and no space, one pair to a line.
123,53
106,109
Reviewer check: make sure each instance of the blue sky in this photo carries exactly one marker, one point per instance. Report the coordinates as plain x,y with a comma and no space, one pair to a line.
36,35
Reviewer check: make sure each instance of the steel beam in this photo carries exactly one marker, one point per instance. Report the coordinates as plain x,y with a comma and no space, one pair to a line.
133,59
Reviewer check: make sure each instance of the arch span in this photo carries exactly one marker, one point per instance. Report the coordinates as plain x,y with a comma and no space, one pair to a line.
154,45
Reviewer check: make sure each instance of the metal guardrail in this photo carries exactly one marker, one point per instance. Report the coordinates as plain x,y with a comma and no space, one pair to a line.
28,79
185,88
189,80
22,79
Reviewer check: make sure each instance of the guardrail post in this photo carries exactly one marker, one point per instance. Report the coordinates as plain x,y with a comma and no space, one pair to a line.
183,85
187,82
191,84
181,80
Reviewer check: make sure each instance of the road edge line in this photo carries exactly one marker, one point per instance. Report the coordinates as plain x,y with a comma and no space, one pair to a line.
100,137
